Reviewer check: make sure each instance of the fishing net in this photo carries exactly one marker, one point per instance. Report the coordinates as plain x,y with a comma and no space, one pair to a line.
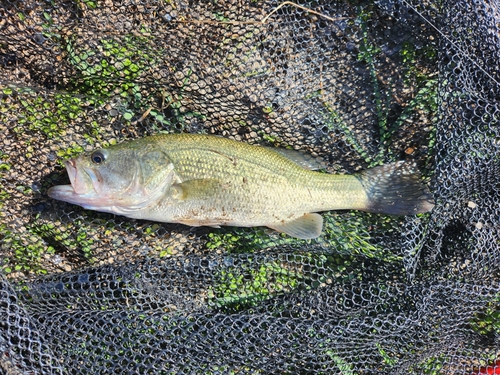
354,84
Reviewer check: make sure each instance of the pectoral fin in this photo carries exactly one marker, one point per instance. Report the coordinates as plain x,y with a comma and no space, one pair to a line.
305,227
194,189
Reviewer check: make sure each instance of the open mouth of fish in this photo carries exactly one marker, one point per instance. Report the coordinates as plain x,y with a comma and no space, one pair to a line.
82,184
88,190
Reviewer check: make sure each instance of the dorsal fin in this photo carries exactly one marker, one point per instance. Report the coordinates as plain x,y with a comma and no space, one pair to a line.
300,158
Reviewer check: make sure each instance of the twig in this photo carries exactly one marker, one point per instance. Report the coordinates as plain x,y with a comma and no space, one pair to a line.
264,20
144,115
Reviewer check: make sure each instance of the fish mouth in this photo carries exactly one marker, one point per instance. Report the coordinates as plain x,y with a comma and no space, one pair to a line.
81,189
80,178
76,178
89,190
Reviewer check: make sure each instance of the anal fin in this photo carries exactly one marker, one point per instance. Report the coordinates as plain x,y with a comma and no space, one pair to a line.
305,227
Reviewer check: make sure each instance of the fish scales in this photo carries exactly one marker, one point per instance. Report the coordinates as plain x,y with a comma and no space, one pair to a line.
208,180
256,185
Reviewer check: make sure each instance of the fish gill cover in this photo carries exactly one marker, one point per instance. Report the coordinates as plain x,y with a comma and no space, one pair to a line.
354,84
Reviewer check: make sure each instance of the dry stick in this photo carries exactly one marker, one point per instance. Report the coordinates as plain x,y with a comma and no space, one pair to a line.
303,8
144,115
264,20
338,19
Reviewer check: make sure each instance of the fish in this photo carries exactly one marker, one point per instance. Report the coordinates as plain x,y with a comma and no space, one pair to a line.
207,180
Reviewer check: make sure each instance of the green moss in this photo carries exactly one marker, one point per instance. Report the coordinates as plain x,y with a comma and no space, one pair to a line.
487,320
249,283
355,233
47,115
43,240
111,67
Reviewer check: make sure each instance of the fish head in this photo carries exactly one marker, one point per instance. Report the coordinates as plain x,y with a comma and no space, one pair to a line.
118,179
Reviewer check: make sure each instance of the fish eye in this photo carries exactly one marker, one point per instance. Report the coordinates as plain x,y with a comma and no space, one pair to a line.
98,157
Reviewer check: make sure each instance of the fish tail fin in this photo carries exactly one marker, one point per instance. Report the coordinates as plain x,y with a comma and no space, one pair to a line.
396,189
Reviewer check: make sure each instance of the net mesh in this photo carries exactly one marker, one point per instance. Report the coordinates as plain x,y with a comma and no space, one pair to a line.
352,83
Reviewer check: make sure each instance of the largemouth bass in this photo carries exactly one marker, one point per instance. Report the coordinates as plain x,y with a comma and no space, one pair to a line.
208,180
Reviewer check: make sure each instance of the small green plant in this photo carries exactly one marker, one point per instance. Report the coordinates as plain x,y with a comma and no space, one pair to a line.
220,17
69,152
417,78
343,363
43,241
4,195
368,53
86,4
487,320
27,252
353,234
344,367
250,283
49,116
390,360
268,109
411,57
4,167
334,122
347,236
50,29
433,366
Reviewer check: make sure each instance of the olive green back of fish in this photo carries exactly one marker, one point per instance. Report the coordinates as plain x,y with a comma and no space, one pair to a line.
224,182
259,178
